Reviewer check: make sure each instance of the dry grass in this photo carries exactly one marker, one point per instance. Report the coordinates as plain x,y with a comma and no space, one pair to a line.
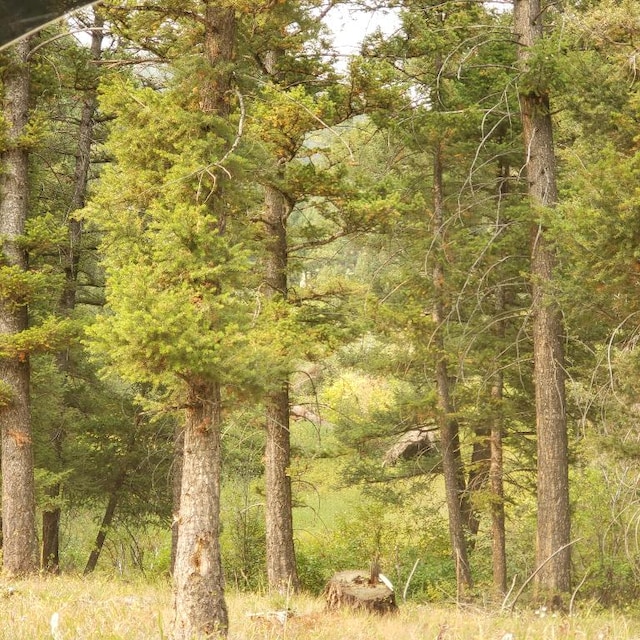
102,609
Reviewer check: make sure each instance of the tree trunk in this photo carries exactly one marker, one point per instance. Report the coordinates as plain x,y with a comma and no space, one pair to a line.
496,467
478,477
281,560
51,517
553,529
107,521
198,582
219,41
50,561
451,460
51,535
20,553
357,590
176,489
200,609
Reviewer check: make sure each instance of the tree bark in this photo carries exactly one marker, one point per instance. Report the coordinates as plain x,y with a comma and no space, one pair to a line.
51,516
219,41
50,561
496,466
450,442
496,470
478,477
176,489
51,535
20,553
198,582
281,561
357,590
199,605
553,528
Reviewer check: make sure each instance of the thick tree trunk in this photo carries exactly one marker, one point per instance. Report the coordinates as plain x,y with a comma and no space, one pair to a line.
199,605
451,460
219,42
20,553
281,560
553,530
198,582
358,590
51,516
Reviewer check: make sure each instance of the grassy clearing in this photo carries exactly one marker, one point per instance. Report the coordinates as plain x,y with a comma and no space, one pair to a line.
102,609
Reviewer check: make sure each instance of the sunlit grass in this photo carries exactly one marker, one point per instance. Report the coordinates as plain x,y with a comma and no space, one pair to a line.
99,608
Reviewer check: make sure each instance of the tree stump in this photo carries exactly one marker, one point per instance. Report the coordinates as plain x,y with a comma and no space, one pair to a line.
356,589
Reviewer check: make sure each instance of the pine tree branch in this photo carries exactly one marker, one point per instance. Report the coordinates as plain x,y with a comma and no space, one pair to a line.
312,244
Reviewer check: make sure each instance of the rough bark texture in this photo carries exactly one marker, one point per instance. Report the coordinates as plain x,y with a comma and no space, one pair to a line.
199,605
71,257
176,489
219,41
553,530
450,444
198,582
18,494
356,589
281,559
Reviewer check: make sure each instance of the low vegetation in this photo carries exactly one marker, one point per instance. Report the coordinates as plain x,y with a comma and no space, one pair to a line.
101,608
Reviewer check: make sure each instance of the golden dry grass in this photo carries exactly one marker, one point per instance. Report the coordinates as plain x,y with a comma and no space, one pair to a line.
102,609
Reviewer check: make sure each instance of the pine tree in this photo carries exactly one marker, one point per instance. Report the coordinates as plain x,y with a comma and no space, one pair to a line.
554,527
18,491
178,316
292,109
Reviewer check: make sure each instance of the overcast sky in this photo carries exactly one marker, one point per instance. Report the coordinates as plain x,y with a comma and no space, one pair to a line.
351,26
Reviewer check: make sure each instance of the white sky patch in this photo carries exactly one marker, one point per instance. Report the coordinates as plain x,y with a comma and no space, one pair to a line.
350,26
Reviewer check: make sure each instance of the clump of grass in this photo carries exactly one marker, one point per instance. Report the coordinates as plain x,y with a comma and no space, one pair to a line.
100,608
94,608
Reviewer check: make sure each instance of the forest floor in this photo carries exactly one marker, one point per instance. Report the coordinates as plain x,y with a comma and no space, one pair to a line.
98,608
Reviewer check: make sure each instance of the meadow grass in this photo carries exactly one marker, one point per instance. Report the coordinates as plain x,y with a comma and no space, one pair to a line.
100,608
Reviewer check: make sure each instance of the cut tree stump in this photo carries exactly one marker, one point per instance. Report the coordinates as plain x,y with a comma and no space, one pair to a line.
355,589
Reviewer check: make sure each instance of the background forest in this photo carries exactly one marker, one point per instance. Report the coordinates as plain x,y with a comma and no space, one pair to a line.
388,305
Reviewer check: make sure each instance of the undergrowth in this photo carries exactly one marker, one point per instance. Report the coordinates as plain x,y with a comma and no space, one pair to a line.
103,608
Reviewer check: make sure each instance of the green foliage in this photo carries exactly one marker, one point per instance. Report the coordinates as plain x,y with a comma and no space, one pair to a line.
19,288
43,235
174,311
177,214
360,406
547,69
243,537
283,118
52,334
